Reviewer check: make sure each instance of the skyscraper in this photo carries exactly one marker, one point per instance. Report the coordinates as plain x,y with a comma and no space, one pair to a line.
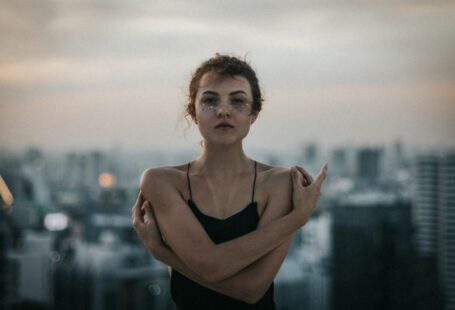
425,204
446,232
368,164
434,219
371,255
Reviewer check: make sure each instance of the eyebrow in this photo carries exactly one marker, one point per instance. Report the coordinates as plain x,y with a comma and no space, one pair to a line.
215,93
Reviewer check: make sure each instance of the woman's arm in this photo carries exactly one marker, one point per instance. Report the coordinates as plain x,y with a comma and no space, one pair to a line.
187,238
241,286
251,283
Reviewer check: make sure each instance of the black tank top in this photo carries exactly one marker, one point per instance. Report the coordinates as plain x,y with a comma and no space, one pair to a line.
188,294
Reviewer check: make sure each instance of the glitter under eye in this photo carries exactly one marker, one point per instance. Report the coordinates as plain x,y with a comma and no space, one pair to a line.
238,105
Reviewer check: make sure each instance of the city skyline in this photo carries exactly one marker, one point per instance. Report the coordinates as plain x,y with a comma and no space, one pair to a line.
95,75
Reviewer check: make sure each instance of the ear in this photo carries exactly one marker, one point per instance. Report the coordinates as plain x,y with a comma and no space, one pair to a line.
254,116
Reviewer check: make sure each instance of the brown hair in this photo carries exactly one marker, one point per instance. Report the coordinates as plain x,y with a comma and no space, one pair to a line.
224,65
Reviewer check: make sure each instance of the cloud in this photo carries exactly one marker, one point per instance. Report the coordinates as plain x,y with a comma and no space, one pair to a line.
71,51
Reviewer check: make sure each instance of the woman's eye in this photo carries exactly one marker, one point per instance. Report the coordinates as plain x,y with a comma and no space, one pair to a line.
238,102
209,101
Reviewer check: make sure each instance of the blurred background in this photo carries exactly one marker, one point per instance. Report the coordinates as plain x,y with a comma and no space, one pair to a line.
93,92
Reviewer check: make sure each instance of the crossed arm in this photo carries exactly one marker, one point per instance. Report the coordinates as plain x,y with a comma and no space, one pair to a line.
253,258
251,283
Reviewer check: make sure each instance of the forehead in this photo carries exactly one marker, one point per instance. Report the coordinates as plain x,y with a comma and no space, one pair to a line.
223,83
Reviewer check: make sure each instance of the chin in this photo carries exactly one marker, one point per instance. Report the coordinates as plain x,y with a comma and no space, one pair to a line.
224,140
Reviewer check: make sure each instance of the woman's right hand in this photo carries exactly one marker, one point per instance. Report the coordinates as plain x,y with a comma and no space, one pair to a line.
305,196
146,227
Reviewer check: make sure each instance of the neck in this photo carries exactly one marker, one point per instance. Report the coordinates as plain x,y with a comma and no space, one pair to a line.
222,160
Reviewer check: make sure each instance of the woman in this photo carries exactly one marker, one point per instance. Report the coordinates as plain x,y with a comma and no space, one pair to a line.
223,222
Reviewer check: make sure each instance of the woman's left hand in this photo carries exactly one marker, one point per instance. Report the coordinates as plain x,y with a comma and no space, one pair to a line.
146,228
306,191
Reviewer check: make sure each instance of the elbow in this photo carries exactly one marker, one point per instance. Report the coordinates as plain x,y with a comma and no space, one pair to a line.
254,293
212,273
207,270
213,268
254,289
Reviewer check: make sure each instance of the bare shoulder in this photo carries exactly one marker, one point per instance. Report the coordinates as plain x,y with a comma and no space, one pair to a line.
274,178
156,177
276,185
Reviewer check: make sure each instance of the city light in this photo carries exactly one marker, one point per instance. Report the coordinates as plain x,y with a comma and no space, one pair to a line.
106,179
55,221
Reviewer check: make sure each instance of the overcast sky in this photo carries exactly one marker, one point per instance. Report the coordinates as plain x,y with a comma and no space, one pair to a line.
93,74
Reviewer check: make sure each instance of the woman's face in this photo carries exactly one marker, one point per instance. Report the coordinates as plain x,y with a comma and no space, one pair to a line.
223,108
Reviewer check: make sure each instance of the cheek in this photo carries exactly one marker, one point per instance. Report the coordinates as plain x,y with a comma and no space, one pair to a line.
203,119
244,131
203,123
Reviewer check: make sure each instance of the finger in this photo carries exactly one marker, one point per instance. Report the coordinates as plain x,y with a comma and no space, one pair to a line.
322,175
137,216
305,173
297,179
149,212
305,182
137,205
151,215
139,201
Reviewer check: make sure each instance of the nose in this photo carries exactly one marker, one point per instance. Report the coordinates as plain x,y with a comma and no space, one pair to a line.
224,109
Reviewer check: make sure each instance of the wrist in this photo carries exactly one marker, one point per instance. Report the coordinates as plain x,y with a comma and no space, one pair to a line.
300,215
153,247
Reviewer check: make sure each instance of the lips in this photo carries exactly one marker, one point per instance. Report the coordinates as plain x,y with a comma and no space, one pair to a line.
224,125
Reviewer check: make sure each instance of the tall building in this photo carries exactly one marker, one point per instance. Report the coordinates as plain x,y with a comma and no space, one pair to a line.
434,219
114,276
314,257
399,154
309,156
339,162
83,171
446,233
310,152
371,256
368,164
7,271
73,175
425,204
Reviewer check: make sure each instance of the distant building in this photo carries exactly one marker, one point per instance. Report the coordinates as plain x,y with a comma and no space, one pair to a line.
446,229
109,276
425,204
339,162
8,269
311,152
371,256
314,257
434,219
399,154
309,156
368,165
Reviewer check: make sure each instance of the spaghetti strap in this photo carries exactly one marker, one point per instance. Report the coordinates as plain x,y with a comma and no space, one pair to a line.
254,182
188,180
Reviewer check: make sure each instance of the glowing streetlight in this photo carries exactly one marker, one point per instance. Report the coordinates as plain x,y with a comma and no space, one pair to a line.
106,179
